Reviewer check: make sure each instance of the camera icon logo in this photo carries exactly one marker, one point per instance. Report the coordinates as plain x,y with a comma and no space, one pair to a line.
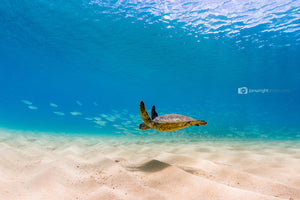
243,90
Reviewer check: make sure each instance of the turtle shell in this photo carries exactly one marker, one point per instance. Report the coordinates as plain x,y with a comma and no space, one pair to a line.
172,118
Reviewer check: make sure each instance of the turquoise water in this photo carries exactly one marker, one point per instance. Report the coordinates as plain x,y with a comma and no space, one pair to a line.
84,66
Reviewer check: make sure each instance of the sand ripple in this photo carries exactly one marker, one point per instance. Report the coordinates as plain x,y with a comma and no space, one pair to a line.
54,167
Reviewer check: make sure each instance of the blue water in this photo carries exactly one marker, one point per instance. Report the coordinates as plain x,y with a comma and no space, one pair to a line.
84,66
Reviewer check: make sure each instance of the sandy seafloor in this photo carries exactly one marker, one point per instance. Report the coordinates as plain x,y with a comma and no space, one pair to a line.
45,166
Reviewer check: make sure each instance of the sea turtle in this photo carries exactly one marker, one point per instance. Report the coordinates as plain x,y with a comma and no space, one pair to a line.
170,122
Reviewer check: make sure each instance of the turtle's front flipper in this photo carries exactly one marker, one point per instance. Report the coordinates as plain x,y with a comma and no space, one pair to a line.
145,116
153,113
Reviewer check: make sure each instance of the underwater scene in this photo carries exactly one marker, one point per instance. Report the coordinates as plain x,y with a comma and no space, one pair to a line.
150,99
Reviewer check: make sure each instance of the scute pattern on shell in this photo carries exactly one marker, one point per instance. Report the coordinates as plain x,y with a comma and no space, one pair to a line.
172,118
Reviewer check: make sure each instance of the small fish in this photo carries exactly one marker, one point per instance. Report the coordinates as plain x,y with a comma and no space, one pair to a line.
76,113
53,105
79,103
101,123
89,118
32,107
59,113
95,104
26,102
103,115
124,111
111,118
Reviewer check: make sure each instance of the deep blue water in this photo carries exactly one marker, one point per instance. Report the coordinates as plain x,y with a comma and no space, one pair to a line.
98,59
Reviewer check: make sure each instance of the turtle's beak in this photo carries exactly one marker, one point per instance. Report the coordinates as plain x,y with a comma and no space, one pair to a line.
202,122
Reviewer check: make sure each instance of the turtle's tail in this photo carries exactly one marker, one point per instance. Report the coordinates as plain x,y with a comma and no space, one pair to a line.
144,114
143,127
198,123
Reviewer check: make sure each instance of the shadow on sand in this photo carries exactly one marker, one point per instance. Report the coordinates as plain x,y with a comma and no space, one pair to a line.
151,166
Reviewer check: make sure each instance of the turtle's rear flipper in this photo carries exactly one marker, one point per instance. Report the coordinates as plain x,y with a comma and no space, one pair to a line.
143,127
153,113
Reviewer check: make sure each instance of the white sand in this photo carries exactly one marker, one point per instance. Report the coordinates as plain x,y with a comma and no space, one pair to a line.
57,167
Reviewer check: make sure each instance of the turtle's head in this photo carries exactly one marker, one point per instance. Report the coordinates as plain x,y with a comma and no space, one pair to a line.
202,122
198,123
